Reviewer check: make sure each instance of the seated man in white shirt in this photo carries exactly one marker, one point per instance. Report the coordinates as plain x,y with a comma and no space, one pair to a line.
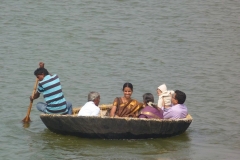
91,107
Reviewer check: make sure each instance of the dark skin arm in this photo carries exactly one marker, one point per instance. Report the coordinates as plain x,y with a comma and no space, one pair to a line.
113,110
41,65
37,94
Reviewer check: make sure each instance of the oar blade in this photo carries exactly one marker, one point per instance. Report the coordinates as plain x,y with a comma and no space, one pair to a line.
26,119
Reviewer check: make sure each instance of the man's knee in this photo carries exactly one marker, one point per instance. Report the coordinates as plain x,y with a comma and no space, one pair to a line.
41,106
69,104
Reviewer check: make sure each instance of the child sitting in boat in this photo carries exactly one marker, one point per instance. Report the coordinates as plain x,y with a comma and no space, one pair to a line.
165,97
150,110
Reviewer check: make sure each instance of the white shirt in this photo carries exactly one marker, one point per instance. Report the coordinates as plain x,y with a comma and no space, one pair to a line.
89,109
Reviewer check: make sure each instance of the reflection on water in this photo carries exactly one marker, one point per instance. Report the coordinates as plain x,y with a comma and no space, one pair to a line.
75,147
26,124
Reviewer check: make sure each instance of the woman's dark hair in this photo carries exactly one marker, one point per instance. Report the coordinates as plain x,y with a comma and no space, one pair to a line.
129,85
148,97
180,96
40,71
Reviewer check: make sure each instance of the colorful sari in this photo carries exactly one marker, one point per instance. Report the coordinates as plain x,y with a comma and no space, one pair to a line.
151,112
129,109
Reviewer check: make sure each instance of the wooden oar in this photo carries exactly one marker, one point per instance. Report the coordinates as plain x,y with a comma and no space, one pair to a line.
27,118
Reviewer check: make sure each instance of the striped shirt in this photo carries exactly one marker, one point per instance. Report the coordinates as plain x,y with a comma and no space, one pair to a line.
51,89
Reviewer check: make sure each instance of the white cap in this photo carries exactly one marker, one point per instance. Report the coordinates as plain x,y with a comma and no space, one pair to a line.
163,88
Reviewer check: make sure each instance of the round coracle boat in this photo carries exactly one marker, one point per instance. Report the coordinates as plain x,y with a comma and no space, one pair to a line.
106,127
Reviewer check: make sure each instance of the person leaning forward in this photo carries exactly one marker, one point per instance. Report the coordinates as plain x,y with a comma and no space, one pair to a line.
50,87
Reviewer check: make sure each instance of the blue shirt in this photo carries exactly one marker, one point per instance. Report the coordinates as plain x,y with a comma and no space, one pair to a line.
51,89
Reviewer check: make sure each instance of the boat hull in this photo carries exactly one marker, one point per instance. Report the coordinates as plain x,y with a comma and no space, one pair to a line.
114,128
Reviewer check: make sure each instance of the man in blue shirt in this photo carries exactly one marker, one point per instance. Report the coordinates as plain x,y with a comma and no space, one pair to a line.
50,87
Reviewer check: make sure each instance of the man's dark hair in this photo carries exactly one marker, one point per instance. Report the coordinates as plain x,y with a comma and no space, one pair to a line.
180,96
40,71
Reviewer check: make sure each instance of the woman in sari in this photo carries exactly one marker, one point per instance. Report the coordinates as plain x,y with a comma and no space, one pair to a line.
150,110
125,106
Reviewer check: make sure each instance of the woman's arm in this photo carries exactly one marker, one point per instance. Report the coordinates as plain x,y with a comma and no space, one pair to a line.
113,110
